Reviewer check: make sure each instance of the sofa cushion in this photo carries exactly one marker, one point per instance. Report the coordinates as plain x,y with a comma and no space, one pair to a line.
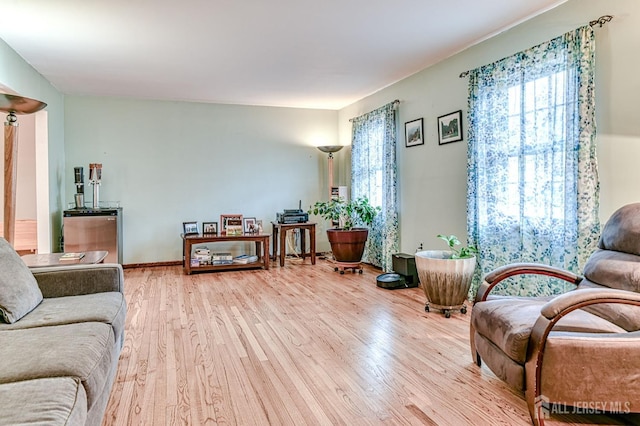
108,308
86,351
49,401
508,323
19,291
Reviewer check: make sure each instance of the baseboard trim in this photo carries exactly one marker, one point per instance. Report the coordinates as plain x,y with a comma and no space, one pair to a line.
320,255
152,264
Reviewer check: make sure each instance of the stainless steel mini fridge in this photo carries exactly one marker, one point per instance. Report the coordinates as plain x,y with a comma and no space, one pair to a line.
87,229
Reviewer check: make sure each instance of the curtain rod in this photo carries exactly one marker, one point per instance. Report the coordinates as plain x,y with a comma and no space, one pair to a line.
600,21
395,106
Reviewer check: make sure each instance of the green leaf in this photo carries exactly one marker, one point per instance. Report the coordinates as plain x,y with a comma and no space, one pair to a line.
462,253
347,213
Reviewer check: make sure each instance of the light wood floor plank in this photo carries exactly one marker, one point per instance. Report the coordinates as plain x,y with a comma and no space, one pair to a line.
299,345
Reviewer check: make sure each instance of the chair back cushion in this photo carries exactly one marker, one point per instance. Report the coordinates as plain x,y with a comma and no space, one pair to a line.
622,231
616,264
19,291
614,269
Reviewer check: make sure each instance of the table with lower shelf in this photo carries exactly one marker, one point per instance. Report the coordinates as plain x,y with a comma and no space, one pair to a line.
282,228
262,251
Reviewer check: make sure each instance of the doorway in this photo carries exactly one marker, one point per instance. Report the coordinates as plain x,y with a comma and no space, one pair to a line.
33,228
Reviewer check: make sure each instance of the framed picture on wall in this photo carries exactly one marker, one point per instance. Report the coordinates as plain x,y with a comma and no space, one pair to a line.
450,127
413,134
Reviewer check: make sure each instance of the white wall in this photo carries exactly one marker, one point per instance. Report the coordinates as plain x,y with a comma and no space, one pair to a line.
169,162
432,178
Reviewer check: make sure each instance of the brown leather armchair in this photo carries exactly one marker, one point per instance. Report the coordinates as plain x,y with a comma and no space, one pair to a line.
578,349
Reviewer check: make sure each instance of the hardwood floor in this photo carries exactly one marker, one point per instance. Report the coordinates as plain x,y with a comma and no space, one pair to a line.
297,345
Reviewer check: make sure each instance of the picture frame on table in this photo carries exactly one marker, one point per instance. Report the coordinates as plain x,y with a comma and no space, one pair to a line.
414,132
210,228
450,128
249,225
190,228
230,224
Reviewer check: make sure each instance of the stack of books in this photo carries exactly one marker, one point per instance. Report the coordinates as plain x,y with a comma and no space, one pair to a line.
221,259
203,255
245,258
71,257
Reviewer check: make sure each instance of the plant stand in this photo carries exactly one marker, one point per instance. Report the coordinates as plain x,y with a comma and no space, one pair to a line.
354,266
446,309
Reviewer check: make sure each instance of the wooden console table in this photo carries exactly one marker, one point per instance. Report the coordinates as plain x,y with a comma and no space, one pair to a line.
262,251
282,228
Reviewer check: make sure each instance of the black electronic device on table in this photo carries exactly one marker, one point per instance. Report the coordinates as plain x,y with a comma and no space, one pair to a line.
289,216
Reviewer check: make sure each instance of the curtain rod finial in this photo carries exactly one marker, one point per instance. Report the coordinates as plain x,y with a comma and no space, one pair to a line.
601,21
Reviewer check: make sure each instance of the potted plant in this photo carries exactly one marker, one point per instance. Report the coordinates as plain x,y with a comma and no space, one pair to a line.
353,218
446,275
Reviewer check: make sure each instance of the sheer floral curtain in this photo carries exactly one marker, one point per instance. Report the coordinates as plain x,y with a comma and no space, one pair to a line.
532,172
373,174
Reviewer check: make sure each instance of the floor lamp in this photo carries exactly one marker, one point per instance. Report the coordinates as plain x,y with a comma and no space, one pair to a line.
13,104
330,149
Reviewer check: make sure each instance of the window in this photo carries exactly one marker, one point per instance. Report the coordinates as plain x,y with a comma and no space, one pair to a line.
532,172
536,156
373,175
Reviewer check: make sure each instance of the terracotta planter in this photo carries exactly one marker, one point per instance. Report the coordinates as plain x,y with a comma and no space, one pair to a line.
445,281
348,246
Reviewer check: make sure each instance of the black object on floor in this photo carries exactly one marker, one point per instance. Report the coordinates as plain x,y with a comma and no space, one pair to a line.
405,265
391,281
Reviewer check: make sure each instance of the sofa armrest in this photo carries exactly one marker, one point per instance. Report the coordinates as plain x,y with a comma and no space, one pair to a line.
75,280
499,274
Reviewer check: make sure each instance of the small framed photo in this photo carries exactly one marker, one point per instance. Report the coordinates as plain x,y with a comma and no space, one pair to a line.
231,220
413,134
249,225
210,228
189,228
450,128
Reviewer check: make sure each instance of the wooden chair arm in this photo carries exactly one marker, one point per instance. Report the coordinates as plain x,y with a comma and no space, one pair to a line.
499,274
551,313
572,300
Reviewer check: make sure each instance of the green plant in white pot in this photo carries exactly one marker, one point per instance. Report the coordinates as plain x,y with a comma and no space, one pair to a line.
446,275
354,217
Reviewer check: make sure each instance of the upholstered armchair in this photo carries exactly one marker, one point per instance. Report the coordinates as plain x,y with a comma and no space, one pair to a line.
581,348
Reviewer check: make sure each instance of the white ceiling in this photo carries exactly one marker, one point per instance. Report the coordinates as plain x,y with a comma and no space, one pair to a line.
295,53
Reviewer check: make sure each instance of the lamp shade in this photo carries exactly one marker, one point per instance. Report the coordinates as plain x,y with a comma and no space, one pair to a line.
330,148
19,104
